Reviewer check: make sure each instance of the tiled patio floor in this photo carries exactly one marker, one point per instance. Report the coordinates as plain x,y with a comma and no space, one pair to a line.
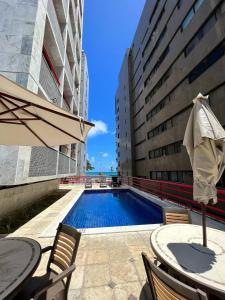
109,265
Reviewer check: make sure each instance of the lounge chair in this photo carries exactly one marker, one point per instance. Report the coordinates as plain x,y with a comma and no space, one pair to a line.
54,284
103,182
115,182
173,215
163,286
88,183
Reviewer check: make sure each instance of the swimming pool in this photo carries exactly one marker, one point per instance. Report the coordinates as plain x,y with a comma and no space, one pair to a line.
112,208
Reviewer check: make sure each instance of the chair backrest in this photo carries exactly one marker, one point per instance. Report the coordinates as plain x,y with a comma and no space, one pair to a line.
173,215
88,180
165,287
114,179
64,250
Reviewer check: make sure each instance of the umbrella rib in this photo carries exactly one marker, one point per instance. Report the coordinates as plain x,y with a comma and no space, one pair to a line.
13,109
54,126
45,108
22,122
10,122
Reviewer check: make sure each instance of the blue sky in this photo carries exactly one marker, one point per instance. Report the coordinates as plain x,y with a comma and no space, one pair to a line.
109,27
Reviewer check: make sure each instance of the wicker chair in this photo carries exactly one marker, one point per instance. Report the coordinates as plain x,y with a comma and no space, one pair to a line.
173,215
165,287
54,284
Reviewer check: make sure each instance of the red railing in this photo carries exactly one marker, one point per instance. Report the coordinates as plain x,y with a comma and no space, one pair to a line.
50,64
179,193
82,179
166,190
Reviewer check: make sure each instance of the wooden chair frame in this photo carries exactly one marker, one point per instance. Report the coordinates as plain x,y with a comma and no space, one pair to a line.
66,271
179,211
168,286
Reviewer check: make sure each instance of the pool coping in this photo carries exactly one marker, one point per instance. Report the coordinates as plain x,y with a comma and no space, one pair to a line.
50,230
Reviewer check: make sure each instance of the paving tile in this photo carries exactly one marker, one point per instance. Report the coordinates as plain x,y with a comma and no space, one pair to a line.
127,291
81,257
97,256
136,250
74,294
96,275
98,293
119,254
123,272
140,268
77,278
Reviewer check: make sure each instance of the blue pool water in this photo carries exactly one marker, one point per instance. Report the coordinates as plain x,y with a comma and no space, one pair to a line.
112,208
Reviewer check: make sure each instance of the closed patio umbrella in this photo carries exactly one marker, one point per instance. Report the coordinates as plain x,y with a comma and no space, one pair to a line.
28,119
205,143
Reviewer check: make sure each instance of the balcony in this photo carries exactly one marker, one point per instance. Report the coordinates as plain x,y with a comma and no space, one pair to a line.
69,73
48,83
71,36
53,20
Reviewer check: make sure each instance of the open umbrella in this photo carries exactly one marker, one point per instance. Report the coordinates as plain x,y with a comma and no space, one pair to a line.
205,142
28,119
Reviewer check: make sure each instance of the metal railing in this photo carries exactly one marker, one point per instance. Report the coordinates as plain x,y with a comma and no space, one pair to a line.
82,179
55,27
49,83
179,193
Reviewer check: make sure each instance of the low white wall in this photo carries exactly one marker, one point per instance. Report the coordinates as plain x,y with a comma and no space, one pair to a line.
16,198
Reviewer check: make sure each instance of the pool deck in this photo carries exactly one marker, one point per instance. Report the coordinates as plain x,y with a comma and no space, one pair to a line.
109,264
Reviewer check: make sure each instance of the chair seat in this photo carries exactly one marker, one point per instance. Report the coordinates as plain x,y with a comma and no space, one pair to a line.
57,292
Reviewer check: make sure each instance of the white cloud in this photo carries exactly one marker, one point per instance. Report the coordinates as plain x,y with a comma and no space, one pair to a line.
93,159
105,154
100,128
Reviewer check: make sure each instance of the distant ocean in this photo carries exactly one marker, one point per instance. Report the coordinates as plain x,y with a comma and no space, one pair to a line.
102,173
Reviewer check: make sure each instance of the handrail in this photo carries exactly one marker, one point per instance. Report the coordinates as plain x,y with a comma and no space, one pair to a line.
179,193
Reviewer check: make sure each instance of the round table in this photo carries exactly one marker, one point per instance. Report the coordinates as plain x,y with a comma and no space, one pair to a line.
179,246
19,258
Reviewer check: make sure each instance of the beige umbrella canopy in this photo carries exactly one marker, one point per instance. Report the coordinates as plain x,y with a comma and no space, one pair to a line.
205,142
28,119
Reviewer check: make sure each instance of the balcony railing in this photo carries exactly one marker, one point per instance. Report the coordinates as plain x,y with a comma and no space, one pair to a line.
49,83
71,36
69,73
179,193
55,27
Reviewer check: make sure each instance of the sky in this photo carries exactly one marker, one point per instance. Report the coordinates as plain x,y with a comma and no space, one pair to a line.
109,28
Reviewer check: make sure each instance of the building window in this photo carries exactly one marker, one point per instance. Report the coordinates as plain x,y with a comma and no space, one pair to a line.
158,107
154,34
166,150
176,176
210,59
205,28
157,86
191,14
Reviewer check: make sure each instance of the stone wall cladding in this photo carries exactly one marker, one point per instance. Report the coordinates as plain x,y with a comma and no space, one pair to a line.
16,198
43,162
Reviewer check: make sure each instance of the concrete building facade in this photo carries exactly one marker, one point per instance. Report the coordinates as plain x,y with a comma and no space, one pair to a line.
178,51
83,112
41,49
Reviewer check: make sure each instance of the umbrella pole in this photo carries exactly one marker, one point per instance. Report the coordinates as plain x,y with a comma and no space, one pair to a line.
204,224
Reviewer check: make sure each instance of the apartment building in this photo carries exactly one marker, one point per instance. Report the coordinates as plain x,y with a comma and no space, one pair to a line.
178,51
41,49
83,112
